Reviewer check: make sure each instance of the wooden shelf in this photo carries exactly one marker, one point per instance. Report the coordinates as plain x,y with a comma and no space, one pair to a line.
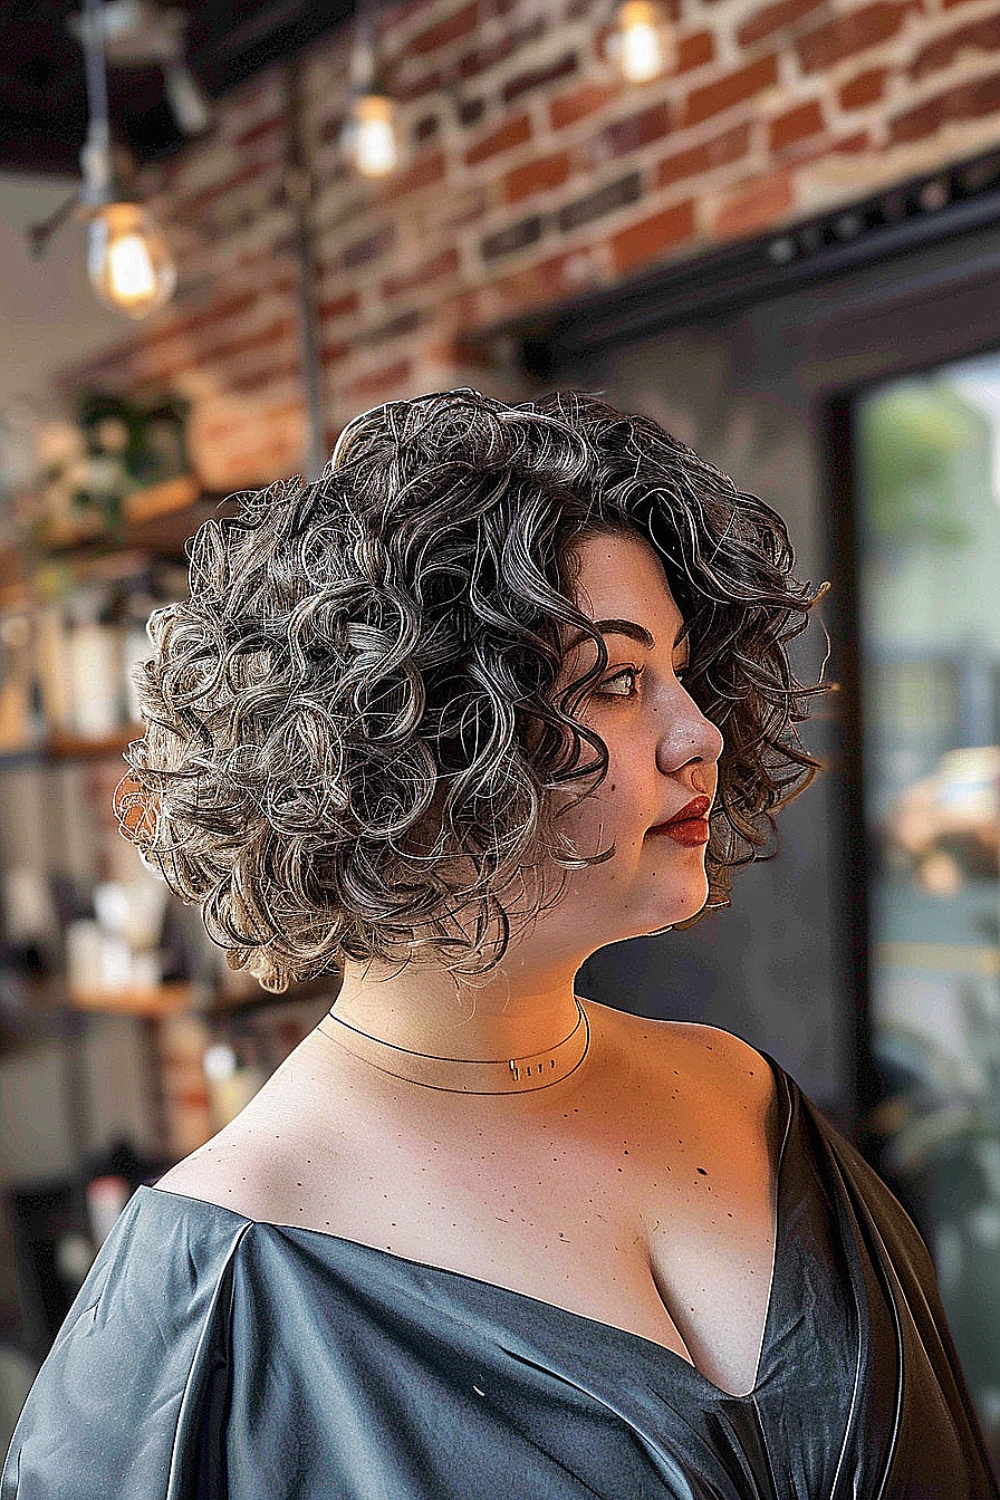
182,997
152,525
52,1006
162,499
59,746
170,999
141,505
158,522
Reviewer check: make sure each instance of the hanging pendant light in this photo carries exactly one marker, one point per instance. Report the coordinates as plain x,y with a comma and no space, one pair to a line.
128,259
370,138
642,43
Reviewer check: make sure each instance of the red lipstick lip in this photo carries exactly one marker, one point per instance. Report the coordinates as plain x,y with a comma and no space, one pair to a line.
690,832
696,808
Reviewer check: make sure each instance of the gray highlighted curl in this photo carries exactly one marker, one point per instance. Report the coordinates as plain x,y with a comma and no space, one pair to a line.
352,729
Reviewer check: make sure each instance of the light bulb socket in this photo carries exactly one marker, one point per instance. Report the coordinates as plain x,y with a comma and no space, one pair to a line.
99,186
363,66
369,79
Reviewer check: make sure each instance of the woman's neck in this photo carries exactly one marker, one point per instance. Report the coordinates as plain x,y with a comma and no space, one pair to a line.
499,1015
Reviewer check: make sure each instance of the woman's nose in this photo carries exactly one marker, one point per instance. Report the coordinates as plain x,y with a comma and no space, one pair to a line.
688,735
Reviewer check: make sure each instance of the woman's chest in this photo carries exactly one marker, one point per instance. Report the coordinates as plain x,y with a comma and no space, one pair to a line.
664,1228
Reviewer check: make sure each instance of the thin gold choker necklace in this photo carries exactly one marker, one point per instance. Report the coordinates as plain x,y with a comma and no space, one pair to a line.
474,1075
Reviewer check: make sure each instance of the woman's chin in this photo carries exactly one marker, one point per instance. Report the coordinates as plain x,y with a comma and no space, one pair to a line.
682,909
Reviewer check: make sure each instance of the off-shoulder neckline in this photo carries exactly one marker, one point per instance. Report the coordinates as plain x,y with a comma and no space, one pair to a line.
652,1347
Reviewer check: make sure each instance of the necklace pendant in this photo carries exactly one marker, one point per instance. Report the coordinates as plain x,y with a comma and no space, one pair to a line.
472,1075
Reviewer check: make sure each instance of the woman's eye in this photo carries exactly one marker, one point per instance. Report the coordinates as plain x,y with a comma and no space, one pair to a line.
634,672
608,691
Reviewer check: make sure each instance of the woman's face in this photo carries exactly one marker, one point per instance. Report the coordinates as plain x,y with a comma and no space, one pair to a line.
662,753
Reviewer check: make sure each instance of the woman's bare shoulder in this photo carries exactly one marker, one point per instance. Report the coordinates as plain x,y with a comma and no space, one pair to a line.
246,1166
223,1171
744,1078
729,1075
718,1049
730,1060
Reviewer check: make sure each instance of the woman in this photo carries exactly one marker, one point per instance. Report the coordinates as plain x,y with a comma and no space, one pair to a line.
479,1236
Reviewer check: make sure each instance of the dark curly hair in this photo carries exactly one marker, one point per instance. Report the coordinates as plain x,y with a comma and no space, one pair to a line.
352,730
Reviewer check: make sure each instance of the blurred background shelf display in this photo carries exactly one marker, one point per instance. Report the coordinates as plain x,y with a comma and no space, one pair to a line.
165,498
126,1041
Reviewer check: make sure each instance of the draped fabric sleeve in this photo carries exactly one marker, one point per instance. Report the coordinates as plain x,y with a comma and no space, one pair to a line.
131,1399
935,1429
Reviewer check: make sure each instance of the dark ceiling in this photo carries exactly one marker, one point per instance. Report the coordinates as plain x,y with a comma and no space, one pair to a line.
43,106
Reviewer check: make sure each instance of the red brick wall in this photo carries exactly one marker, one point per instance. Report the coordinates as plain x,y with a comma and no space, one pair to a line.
534,174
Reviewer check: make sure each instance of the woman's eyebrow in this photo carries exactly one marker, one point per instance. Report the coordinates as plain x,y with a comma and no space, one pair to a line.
623,627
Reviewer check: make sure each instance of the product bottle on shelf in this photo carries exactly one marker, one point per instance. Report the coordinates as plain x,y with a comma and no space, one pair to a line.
55,668
95,665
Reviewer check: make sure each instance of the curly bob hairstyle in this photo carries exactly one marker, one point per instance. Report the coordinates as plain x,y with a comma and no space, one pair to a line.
352,729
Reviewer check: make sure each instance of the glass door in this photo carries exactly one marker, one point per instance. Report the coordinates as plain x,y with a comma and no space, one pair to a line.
927,473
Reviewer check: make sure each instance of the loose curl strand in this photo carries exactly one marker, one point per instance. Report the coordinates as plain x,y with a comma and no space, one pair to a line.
353,734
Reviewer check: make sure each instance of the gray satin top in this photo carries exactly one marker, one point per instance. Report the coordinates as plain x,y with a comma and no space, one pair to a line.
212,1357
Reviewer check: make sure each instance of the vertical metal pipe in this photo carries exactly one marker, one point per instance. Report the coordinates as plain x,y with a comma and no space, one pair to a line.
96,67
95,154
